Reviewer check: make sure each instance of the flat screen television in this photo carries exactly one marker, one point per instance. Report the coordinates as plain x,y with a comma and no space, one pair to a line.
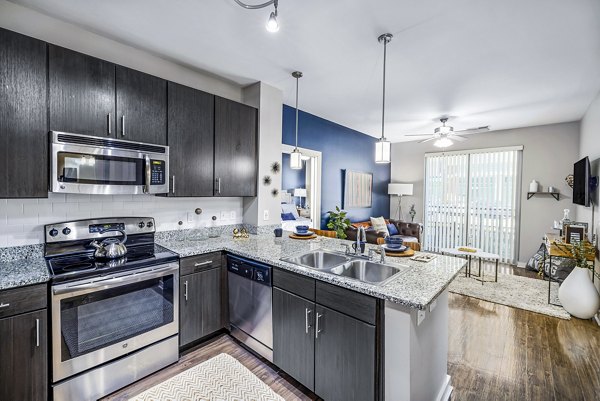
581,182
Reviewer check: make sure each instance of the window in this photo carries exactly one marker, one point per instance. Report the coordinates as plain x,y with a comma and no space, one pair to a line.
472,198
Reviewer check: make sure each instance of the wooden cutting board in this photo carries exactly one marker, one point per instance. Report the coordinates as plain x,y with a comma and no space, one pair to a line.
294,236
406,253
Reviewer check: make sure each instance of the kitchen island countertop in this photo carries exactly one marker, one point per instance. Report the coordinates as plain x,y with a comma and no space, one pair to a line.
415,288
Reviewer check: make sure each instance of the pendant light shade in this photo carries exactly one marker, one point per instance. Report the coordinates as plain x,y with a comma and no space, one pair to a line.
383,151
296,156
383,147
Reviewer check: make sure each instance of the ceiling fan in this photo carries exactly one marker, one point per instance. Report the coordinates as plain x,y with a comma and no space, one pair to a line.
445,135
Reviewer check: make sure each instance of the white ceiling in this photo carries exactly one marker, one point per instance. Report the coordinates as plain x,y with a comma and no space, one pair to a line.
508,63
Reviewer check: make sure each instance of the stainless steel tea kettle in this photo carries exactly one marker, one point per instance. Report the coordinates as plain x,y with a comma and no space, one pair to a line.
110,248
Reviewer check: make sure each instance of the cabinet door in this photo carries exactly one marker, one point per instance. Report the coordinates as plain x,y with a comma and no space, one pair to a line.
24,357
235,148
200,305
82,93
294,336
23,122
210,287
344,357
190,136
141,107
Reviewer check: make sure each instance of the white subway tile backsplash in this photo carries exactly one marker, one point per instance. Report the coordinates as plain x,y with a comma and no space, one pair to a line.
77,198
13,208
65,208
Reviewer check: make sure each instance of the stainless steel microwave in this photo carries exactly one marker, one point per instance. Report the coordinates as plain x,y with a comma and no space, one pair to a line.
82,164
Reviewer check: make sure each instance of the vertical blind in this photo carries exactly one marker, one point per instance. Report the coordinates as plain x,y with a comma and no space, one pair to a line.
472,198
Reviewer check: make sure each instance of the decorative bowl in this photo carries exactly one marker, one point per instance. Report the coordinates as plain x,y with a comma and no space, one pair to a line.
394,242
301,229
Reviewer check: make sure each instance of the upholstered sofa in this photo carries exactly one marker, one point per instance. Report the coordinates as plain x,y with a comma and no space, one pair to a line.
410,232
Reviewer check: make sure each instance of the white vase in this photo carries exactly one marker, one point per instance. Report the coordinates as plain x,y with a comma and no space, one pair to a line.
533,186
578,295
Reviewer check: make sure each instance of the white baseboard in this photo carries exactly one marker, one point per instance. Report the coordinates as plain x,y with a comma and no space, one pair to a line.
597,318
521,264
445,391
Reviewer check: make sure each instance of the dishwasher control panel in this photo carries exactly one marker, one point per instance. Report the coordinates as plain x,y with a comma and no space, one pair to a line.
249,269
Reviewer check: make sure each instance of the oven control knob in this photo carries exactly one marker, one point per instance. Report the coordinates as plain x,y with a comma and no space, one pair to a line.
149,224
53,232
66,231
141,224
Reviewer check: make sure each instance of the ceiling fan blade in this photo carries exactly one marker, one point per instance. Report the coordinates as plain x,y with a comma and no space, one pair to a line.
458,138
427,140
473,130
418,134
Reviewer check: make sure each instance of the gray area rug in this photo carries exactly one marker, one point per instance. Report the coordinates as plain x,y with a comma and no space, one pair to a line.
515,291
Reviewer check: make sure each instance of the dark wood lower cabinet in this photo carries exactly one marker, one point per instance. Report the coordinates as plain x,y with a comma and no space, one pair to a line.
294,336
344,357
200,309
24,357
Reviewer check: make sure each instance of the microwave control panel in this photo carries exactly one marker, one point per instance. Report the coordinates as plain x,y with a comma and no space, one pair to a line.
157,172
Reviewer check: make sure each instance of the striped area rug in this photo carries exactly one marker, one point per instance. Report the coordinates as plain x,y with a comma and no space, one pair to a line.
221,378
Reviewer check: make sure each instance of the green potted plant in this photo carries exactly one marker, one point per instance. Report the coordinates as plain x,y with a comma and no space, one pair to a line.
338,222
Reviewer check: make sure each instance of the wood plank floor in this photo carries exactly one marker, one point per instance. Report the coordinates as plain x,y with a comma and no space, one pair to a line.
495,353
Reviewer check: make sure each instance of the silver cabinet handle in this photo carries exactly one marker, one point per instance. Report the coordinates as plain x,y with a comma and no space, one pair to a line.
308,312
37,332
218,186
185,290
109,123
3,305
123,125
317,329
208,262
148,174
173,189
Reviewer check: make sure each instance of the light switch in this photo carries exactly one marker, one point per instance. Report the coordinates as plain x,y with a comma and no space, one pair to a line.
266,215
232,215
433,305
420,317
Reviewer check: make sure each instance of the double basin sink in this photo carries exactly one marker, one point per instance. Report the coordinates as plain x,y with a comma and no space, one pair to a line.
349,266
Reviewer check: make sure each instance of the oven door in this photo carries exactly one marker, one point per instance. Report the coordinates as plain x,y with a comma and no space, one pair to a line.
125,168
94,322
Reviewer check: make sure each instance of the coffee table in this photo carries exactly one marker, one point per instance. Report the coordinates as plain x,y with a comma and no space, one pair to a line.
479,254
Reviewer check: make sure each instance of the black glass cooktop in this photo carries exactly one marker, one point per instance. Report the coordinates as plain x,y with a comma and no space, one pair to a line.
82,265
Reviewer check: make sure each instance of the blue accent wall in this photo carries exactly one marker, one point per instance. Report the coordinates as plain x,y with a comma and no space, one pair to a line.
291,179
342,148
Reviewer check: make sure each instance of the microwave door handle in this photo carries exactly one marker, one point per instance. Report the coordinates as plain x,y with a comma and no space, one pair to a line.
148,174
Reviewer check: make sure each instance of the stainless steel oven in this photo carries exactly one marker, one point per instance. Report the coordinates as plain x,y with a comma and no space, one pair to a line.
94,165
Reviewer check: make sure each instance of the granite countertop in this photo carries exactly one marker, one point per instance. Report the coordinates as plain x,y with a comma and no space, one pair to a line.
415,288
21,266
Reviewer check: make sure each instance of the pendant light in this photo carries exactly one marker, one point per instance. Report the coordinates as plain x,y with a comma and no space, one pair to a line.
296,156
272,24
383,147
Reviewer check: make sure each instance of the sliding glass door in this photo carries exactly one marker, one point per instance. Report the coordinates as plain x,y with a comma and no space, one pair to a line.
472,198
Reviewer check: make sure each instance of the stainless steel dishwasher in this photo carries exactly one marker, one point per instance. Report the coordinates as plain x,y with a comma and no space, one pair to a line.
250,304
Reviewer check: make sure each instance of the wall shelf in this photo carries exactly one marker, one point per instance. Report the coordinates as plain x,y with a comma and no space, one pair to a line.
555,195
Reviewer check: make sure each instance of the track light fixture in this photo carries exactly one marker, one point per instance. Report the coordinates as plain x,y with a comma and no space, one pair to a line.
272,24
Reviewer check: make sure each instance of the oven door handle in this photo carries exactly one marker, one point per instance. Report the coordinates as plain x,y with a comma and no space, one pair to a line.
75,289
148,174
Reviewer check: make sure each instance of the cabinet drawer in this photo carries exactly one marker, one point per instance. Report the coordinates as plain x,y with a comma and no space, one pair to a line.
351,303
22,299
294,283
194,264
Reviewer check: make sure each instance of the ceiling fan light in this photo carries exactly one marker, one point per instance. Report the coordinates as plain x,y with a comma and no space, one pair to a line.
443,142
383,151
296,159
272,24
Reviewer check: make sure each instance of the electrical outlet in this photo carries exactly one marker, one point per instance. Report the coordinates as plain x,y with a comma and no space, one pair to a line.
224,215
232,215
420,317
190,217
266,215
433,305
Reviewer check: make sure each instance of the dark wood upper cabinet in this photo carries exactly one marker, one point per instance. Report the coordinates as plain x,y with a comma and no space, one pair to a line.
23,117
294,336
191,141
344,357
141,107
235,148
82,93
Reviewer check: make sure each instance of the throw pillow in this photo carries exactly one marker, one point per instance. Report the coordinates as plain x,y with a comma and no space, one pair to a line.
392,229
287,216
379,225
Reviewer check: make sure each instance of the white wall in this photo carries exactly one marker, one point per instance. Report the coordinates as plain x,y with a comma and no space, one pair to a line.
548,156
269,101
589,145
